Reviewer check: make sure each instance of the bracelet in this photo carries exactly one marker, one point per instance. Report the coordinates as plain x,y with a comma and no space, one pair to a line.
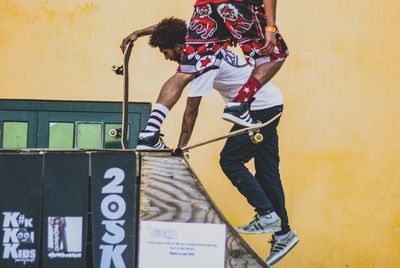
272,29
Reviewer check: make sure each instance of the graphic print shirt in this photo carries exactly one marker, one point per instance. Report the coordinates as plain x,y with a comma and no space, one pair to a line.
227,80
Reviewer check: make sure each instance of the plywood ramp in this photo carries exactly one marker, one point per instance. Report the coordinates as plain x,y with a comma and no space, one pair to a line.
170,191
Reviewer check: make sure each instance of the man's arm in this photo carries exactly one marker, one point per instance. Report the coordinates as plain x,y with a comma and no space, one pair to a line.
135,35
270,13
189,119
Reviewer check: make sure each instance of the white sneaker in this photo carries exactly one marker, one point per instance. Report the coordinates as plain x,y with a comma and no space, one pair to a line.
279,248
269,223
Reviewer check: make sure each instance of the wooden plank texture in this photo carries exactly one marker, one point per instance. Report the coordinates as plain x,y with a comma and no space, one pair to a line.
170,191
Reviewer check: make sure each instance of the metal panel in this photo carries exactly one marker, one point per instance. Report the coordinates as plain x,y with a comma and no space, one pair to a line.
114,209
66,197
20,209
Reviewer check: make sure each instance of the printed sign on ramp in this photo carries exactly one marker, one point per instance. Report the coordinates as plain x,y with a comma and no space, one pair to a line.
181,245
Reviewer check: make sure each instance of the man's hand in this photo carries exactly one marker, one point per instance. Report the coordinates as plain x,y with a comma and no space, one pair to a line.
270,43
135,35
129,39
180,153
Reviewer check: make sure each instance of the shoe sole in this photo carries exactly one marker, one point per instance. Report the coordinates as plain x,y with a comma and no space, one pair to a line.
146,148
236,120
291,245
265,231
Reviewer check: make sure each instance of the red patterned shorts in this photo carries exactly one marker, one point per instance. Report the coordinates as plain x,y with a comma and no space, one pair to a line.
213,27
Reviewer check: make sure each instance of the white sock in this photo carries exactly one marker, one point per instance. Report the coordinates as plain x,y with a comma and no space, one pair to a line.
271,216
145,134
280,237
157,117
231,104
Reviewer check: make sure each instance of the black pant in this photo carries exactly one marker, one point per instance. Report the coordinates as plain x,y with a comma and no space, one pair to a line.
264,190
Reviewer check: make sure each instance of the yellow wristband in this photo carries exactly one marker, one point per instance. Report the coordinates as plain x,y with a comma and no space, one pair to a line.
271,29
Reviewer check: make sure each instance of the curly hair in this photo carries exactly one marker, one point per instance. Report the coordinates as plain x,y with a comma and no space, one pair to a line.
168,33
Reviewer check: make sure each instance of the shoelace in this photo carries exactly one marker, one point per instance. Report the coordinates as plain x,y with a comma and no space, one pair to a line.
162,141
273,245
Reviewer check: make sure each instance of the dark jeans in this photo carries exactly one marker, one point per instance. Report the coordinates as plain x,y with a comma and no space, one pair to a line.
264,190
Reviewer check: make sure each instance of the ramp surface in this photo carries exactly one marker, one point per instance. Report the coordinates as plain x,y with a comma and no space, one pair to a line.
171,192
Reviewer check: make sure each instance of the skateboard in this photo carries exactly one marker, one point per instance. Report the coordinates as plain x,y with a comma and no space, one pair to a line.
123,70
125,102
255,135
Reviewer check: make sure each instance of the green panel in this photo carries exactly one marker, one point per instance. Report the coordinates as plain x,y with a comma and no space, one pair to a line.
15,135
39,114
61,135
74,106
89,136
23,117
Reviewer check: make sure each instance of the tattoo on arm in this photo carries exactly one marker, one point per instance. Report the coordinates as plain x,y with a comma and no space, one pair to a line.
189,120
187,128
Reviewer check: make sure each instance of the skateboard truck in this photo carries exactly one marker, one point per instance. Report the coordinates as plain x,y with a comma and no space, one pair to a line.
118,69
116,133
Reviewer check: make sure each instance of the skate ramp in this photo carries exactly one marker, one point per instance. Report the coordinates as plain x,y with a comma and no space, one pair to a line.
171,192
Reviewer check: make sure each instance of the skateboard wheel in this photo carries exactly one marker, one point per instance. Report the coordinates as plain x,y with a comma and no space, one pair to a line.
115,133
257,138
118,69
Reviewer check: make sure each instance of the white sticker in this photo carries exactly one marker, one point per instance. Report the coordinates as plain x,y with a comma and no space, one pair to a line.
181,245
64,238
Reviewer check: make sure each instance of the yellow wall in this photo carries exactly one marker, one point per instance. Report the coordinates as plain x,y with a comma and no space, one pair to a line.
339,135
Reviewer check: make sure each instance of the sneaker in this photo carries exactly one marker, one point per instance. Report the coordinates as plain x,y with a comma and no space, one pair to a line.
269,223
239,113
279,248
150,141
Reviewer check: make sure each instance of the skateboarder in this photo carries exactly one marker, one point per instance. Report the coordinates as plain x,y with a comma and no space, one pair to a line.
264,191
213,26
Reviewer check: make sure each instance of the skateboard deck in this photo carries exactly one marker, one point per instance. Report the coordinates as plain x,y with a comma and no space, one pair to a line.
125,102
235,133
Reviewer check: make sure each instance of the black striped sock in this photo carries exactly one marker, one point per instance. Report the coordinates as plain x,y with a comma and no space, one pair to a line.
157,117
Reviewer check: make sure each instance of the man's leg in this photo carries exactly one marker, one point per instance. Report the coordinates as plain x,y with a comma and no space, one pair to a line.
172,90
261,75
248,31
265,72
237,111
268,175
237,151
170,93
266,162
